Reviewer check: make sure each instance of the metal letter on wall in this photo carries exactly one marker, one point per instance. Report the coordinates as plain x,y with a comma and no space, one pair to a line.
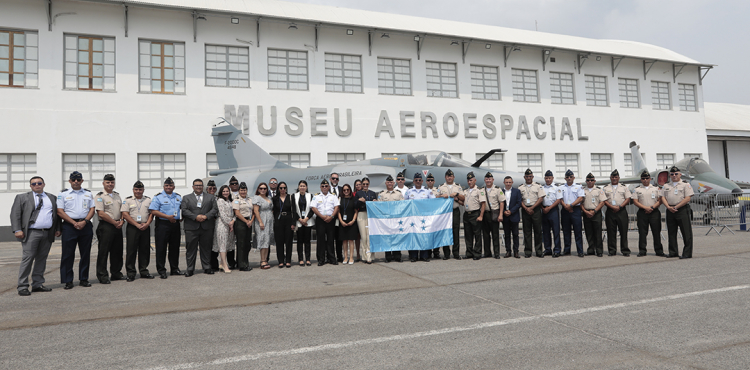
263,130
539,120
291,112
523,128
490,131
429,124
384,124
506,124
239,118
580,132
407,125
566,130
314,121
470,126
337,124
446,118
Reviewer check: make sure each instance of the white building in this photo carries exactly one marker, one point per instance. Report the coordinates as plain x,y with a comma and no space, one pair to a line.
728,130
131,87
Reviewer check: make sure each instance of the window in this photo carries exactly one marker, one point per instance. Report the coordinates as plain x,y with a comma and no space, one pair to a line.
565,162
441,80
212,163
495,161
664,161
162,68
629,171
394,76
296,160
660,95
93,167
693,155
153,169
525,85
561,88
596,91
16,170
19,59
343,73
532,161
287,70
485,83
687,97
227,66
629,93
391,154
601,164
338,158
89,63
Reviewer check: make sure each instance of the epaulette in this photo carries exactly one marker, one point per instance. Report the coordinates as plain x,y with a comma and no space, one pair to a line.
84,189
100,193
176,193
157,194
64,190
130,197
114,192
145,196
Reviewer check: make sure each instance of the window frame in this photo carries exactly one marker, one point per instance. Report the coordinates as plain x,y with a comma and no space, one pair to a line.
484,86
291,162
560,173
26,59
175,68
540,169
88,172
346,158
593,95
683,97
572,86
209,162
523,82
26,174
343,73
393,74
493,159
601,172
227,62
626,97
287,73
656,101
440,77
76,72
162,170
664,164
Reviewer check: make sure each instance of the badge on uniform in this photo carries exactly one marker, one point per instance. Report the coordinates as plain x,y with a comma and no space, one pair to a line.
199,204
528,201
653,195
175,213
614,202
675,191
344,217
98,199
139,218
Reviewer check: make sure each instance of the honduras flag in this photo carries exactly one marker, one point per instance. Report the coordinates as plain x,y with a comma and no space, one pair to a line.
421,224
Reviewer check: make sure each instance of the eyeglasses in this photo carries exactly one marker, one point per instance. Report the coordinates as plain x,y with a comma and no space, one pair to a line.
568,177
37,183
590,180
282,188
674,174
233,183
334,178
417,180
400,179
262,188
198,186
431,180
273,182
323,186
346,190
77,180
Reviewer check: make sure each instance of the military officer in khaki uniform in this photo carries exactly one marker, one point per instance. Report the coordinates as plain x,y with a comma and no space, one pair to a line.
390,195
138,232
618,196
676,196
430,183
493,215
593,202
476,202
452,190
109,232
647,198
532,195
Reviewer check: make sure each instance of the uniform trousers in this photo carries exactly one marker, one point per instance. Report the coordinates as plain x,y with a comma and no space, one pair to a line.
532,223
167,239
70,238
363,226
473,234
572,220
593,227
284,237
110,245
138,245
491,231
339,243
303,243
199,241
680,219
653,220
325,249
510,228
456,240
34,258
617,221
551,223
244,236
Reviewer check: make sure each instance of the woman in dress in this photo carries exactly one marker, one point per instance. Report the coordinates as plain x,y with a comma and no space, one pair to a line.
305,221
243,228
357,189
224,230
348,231
263,210
283,225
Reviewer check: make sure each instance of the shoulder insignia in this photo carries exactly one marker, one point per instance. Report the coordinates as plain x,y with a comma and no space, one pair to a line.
146,196
130,197
84,189
100,193
156,195
177,194
64,190
114,192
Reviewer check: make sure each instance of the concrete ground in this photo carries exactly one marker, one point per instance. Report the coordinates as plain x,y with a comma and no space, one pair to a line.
562,313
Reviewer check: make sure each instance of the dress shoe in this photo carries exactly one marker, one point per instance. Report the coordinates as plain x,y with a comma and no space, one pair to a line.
540,255
497,257
130,279
163,275
336,263
368,262
684,258
599,255
547,253
526,256
487,256
457,258
626,254
671,256
566,253
188,274
641,254
176,272
580,255
508,255
612,254
436,255
24,292
41,288
339,260
446,257
208,271
413,259
246,268
399,260
105,281
661,254
84,283
147,276
591,253
115,278
426,260
515,255
556,255
68,286
321,263
477,258
387,260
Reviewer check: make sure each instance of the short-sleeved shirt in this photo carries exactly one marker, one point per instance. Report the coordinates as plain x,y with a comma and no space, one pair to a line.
617,194
435,192
75,203
647,195
593,197
446,189
676,193
495,196
401,190
389,196
109,203
137,208
244,205
325,203
552,194
421,193
531,193
474,197
571,192
168,204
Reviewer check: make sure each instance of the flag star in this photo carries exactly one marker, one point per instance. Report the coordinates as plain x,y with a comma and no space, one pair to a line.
401,222
412,224
401,229
424,228
424,221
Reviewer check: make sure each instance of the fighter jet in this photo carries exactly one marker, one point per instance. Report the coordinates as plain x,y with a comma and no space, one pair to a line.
239,156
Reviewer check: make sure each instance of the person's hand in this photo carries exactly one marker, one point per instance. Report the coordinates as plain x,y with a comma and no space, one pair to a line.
507,213
201,218
262,227
500,218
57,233
249,224
362,199
649,210
80,225
616,208
545,210
119,224
141,226
19,234
171,219
231,227
479,219
293,227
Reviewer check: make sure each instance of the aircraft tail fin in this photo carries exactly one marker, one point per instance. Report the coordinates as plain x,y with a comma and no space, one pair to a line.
235,150
635,154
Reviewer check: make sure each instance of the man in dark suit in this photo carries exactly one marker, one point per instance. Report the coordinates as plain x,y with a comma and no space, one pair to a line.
35,224
336,190
199,212
511,216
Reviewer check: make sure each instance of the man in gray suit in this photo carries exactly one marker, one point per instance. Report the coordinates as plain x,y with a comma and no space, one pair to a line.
199,212
35,223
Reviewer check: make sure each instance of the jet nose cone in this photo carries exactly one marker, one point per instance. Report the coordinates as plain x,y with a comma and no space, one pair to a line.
736,191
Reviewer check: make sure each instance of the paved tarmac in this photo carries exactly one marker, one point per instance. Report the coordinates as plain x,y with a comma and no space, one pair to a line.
562,313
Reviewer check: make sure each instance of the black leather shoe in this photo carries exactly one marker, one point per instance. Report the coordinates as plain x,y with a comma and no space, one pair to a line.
321,263
540,255
497,257
436,255
515,255
599,255
130,279
508,255
208,271
105,281
684,258
24,292
671,256
641,254
41,288
661,254
612,254
446,257
188,274
591,253
426,260
399,260
580,255
68,286
458,258
115,278
412,259
163,276
246,268
556,255
626,254
336,263
477,258
547,253
526,256
176,272
149,276
340,260
566,253
84,283
487,256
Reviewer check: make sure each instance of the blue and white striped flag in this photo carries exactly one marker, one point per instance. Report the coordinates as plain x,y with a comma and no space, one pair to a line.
410,224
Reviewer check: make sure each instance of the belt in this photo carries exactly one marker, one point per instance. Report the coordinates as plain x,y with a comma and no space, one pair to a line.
47,229
78,220
284,213
471,212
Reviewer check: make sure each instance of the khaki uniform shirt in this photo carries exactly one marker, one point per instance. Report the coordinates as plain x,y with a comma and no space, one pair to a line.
450,189
244,205
137,208
110,204
593,197
675,194
617,196
531,193
647,196
495,196
389,196
474,197
435,192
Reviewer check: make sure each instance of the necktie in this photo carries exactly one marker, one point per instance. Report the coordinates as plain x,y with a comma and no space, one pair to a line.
333,190
41,202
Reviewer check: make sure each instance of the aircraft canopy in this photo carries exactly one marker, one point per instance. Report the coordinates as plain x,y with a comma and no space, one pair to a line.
437,159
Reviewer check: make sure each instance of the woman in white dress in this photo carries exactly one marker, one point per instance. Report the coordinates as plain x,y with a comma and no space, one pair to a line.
224,238
263,210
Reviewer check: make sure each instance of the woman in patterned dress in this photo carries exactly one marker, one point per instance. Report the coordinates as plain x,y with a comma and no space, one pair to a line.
263,210
224,232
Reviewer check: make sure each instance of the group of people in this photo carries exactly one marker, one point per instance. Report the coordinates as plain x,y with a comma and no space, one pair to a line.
219,223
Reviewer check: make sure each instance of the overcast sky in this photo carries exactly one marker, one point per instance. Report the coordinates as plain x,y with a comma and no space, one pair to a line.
711,32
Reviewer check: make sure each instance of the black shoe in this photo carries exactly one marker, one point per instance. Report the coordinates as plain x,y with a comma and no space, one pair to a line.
641,254
436,255
626,254
208,271
321,263
612,254
368,262
340,260
399,260
41,288
540,255
497,257
147,276
566,253
130,279
84,283
188,274
412,259
671,256
477,258
176,272
591,253
661,254
24,292
115,278
336,263
508,255
547,253
68,286
556,255
457,258
426,260
246,268
446,257
599,255
580,255
515,255
527,256
105,281
487,256
163,275
684,258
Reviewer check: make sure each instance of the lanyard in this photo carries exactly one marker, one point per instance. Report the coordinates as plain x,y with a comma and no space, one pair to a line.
345,204
281,207
139,203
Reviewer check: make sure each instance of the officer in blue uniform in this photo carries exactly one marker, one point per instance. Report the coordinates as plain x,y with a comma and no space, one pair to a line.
166,209
551,216
75,206
419,192
573,196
